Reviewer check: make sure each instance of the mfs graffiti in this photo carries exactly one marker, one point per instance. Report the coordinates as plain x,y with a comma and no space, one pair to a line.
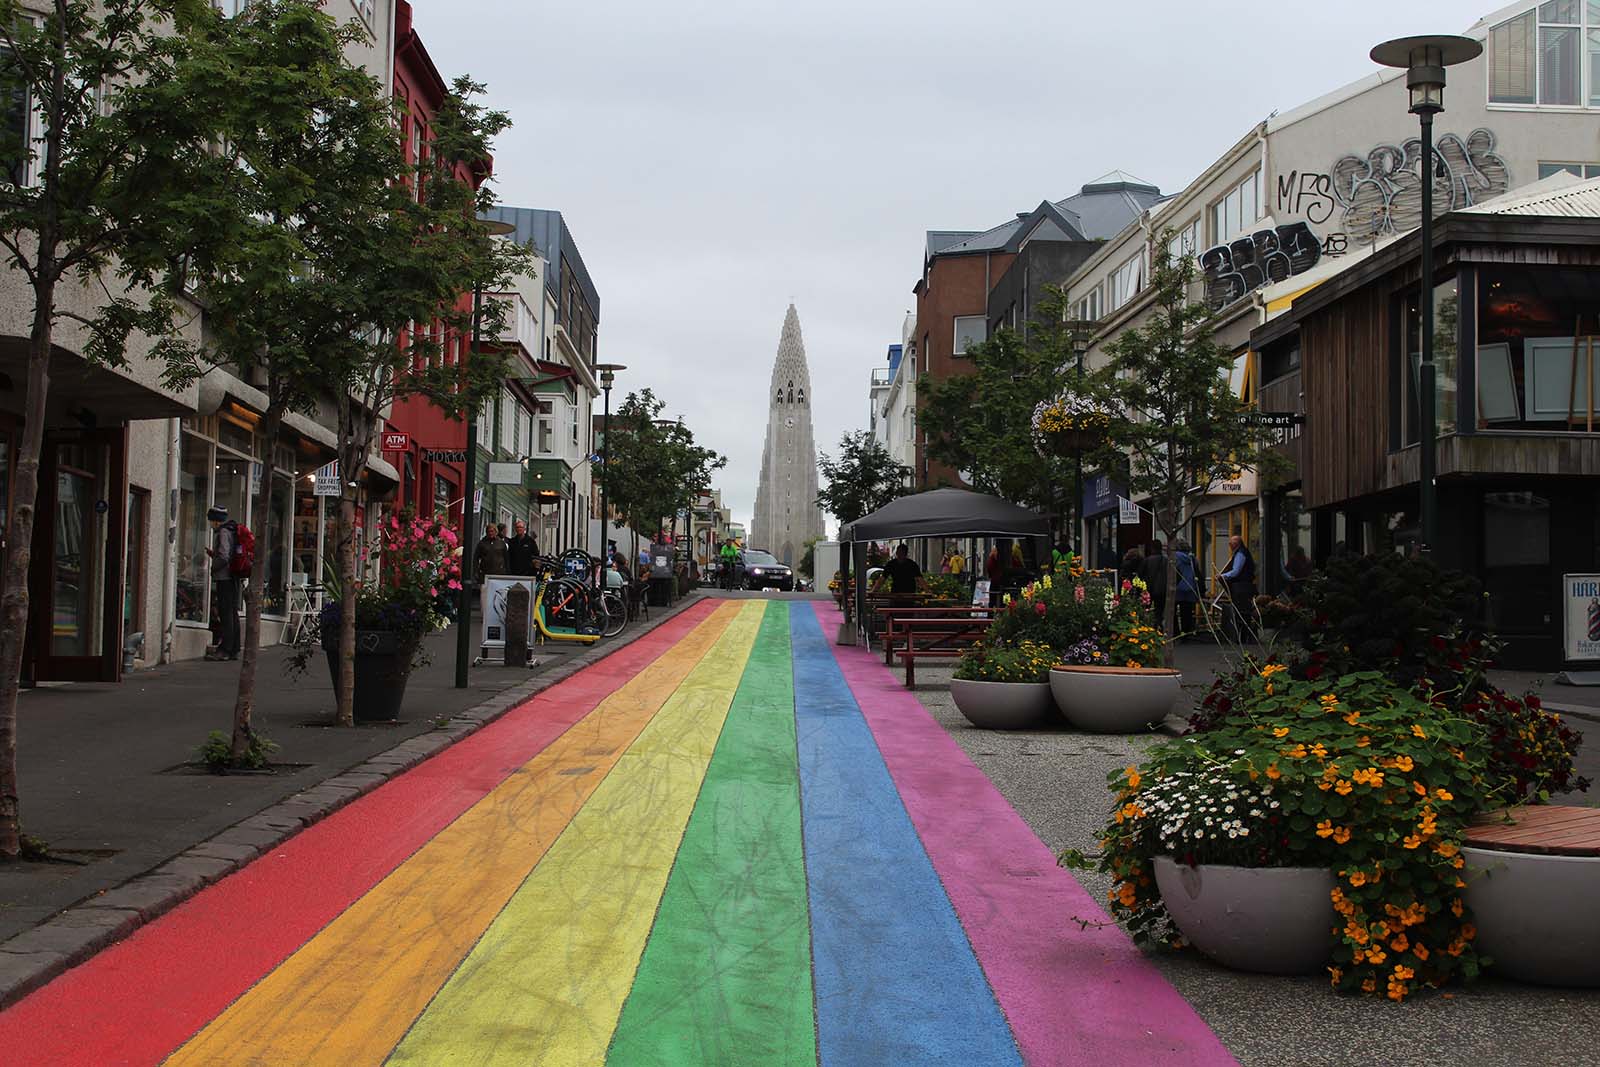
1381,193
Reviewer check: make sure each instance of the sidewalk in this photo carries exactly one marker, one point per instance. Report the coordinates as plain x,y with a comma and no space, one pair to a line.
103,782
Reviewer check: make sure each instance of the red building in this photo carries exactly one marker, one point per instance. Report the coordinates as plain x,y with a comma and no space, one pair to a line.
433,467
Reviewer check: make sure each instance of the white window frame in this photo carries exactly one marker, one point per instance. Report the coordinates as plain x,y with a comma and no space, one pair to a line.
1185,240
957,348
1587,89
1126,281
1237,210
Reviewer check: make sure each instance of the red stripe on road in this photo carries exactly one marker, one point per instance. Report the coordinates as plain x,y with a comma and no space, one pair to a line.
140,999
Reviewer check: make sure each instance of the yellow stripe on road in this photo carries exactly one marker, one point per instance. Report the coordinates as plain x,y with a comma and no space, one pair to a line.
349,994
546,983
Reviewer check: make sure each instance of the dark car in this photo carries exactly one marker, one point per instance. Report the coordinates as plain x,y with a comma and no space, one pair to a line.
761,570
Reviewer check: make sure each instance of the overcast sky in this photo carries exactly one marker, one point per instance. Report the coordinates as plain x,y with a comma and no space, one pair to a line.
716,160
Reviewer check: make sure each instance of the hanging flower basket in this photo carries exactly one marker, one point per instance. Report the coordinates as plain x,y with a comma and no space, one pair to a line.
1070,424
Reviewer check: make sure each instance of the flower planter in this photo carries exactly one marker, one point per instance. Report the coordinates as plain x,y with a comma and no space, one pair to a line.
383,665
1114,700
1271,920
1002,705
1536,915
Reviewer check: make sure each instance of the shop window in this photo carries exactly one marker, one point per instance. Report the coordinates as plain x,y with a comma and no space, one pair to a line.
1446,333
1538,349
273,569
134,567
194,535
444,492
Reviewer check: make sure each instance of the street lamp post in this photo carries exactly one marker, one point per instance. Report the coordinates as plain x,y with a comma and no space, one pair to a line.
608,375
1082,330
1424,60
491,228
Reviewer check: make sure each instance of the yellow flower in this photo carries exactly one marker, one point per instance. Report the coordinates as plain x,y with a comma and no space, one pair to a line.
1403,763
1443,794
1319,751
1343,788
1455,907
1273,772
1297,752
1282,731
1341,836
1420,951
1335,975
1418,731
1272,668
1133,777
1325,828
1358,878
1412,841
1445,849
1369,986
1420,789
1353,718
1328,699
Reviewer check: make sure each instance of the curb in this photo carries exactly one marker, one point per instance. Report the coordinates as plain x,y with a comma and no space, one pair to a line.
34,957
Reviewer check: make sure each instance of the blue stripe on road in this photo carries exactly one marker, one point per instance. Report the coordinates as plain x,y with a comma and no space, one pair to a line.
896,980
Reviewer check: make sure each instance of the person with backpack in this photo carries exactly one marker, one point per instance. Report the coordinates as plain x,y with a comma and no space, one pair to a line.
231,552
1240,581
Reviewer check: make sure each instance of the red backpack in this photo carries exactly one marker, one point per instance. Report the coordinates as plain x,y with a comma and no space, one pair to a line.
244,551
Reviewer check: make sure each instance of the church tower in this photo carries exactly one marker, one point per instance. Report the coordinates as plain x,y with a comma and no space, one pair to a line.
787,515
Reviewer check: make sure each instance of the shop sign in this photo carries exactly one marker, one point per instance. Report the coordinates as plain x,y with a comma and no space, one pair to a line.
1580,608
1099,494
1243,483
1127,512
477,501
1273,420
505,473
444,455
397,442
328,480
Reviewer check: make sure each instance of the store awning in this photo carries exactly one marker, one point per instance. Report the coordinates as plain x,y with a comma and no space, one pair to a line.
549,480
84,393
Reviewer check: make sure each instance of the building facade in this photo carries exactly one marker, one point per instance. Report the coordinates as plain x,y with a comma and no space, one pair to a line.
787,515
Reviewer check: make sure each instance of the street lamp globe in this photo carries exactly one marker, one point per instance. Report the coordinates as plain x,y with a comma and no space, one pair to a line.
1424,59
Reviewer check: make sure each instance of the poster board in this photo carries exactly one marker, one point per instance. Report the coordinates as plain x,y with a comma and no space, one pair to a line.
1580,613
980,593
492,607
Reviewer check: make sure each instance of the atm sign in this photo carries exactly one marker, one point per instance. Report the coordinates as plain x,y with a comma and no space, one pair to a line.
396,442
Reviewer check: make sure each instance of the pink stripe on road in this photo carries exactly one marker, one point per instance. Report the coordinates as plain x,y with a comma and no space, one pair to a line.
1072,996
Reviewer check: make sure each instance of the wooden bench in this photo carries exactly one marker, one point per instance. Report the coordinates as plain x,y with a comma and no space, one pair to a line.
1533,880
893,616
966,630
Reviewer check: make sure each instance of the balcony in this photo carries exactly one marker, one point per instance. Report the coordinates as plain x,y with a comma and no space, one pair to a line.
881,376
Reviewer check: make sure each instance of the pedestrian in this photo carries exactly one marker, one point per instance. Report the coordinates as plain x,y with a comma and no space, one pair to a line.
993,569
1240,581
1188,588
1297,570
944,563
1061,558
1132,565
521,551
1154,572
489,557
958,562
224,586
903,574
728,559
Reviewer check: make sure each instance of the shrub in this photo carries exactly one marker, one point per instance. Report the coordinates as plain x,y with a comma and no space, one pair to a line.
1354,774
947,587
1085,653
1063,613
217,756
1027,661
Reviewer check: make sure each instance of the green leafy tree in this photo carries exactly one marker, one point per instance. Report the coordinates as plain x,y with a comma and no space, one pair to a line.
72,205
1182,430
653,467
982,423
862,479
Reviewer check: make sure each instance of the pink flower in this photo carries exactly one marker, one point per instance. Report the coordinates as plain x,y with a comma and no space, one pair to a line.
1077,593
454,584
1038,607
1144,598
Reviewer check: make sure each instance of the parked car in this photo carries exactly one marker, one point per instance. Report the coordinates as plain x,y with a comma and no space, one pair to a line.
759,569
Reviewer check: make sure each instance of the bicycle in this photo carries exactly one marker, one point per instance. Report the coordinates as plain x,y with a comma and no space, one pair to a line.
573,596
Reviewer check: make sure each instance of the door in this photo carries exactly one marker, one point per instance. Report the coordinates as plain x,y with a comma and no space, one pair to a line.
77,572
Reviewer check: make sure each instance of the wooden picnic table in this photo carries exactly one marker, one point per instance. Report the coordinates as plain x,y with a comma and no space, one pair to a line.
952,628
892,615
1543,829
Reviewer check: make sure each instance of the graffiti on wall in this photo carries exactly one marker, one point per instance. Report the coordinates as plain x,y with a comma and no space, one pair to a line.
1252,260
1381,192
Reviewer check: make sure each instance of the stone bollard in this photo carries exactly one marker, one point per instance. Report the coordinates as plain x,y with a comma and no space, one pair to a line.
517,625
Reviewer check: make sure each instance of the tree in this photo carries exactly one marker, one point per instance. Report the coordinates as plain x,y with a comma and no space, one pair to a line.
306,138
982,423
863,479
397,262
72,204
1183,430
653,468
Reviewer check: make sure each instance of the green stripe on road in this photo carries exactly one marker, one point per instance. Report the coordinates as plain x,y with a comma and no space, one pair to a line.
726,975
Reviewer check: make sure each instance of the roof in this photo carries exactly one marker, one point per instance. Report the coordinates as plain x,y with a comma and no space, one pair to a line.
1108,204
947,512
1100,210
1561,194
939,240
547,231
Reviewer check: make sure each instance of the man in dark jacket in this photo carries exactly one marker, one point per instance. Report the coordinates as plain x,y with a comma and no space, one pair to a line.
490,555
1154,573
521,551
224,586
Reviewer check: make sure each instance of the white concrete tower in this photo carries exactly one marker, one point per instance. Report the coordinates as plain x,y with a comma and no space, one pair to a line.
787,515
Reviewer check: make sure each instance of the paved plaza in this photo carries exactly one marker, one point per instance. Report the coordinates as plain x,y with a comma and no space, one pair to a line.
730,842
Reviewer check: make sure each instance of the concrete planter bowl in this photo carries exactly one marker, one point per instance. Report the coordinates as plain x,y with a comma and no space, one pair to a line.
1538,916
1269,920
1002,705
1115,700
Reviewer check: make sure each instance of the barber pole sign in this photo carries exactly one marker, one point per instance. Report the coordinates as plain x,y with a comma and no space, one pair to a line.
1580,609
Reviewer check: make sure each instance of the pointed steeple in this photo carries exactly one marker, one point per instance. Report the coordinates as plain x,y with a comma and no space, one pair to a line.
786,514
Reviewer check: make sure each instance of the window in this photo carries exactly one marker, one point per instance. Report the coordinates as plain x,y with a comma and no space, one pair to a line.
1088,308
364,8
14,114
546,427
1185,241
970,330
1578,170
1127,280
194,534
1237,211
1546,55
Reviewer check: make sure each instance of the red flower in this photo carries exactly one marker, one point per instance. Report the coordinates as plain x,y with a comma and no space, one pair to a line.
1038,607
1313,673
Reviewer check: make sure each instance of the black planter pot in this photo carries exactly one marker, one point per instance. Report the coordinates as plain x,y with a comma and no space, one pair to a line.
383,664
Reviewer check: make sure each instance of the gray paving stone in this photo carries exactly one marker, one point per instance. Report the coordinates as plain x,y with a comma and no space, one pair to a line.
149,895
203,869
238,855
360,781
70,942
23,972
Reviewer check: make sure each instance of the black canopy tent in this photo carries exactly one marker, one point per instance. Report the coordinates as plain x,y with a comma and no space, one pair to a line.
935,513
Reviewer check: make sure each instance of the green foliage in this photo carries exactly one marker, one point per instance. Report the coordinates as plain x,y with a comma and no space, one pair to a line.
982,422
215,753
1026,661
653,468
808,559
1353,774
946,586
862,479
